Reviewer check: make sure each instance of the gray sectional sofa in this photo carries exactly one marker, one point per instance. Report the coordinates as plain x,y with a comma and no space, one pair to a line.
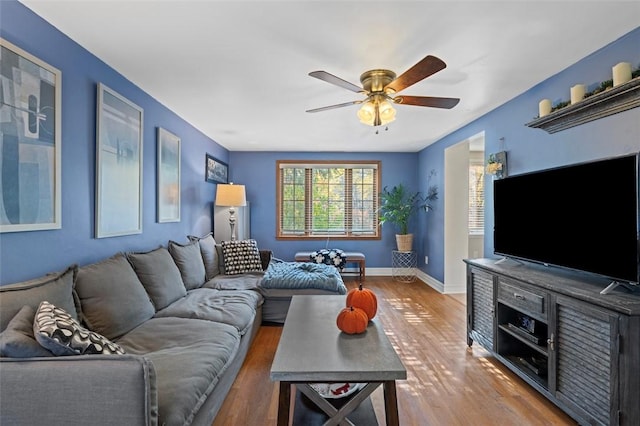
184,327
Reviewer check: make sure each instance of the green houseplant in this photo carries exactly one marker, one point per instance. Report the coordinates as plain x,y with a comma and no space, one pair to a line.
398,205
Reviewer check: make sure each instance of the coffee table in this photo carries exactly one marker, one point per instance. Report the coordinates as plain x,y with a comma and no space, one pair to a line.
313,350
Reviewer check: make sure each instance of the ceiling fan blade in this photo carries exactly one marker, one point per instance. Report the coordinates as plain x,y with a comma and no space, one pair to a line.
334,106
427,101
429,65
330,78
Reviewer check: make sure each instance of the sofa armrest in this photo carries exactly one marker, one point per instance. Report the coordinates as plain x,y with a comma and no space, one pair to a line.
84,389
265,258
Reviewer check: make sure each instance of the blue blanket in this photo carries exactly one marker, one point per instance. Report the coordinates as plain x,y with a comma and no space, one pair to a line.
307,275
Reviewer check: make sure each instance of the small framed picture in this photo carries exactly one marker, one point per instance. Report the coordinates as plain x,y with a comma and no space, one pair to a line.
216,171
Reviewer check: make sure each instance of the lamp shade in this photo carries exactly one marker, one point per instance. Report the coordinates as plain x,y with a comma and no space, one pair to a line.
230,195
376,111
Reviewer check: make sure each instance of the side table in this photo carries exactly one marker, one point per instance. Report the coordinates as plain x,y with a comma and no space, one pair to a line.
403,265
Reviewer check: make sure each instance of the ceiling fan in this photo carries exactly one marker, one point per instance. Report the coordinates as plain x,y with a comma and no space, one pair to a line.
380,86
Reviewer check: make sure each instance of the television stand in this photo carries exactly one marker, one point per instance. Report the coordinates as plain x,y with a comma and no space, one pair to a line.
555,330
632,288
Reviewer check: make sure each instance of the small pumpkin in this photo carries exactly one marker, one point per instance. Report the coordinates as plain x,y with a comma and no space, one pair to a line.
352,320
364,299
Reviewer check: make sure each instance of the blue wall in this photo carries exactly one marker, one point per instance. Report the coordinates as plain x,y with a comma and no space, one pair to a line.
257,170
534,149
27,255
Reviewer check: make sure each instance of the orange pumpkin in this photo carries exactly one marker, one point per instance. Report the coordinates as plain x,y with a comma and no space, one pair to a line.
352,320
364,299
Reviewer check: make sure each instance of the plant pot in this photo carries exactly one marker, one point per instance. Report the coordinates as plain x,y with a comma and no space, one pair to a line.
404,242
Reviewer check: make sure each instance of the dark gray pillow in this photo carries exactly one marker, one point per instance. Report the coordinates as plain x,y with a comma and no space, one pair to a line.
209,254
112,298
241,257
55,287
220,257
159,275
62,335
189,262
17,340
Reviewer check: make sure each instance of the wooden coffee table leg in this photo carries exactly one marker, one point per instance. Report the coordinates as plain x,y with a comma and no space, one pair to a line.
284,403
391,403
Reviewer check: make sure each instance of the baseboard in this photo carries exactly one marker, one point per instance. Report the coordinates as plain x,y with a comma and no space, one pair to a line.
430,281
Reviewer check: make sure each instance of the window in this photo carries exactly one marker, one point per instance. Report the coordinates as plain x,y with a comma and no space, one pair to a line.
476,198
321,199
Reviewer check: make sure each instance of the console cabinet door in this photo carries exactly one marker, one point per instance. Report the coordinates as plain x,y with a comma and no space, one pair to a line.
586,355
480,307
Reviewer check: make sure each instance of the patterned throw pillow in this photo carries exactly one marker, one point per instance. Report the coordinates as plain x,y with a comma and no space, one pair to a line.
58,332
241,257
335,257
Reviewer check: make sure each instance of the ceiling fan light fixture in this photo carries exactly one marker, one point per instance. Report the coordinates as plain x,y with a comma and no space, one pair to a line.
376,111
387,112
367,113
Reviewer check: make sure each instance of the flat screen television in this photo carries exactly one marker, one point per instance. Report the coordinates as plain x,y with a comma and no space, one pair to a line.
582,217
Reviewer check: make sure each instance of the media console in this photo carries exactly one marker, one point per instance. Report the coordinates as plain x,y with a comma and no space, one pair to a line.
553,328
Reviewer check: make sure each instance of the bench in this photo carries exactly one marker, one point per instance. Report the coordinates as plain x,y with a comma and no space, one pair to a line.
351,257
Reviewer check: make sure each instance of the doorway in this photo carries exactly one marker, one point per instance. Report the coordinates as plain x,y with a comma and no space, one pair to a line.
459,242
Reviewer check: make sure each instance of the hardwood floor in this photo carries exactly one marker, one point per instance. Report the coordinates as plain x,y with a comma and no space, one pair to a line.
447,383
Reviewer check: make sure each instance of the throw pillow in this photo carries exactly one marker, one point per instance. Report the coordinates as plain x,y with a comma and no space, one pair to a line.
241,257
209,254
17,340
159,275
57,331
220,256
189,262
55,287
113,300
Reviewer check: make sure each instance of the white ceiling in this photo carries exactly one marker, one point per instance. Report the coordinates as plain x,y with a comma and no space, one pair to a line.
238,70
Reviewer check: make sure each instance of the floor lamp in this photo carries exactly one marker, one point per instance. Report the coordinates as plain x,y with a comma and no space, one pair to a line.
230,195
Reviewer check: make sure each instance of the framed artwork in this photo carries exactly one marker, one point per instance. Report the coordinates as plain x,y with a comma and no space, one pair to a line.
118,165
168,176
216,171
30,142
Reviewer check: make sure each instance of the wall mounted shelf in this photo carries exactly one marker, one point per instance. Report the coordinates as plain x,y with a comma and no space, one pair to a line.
621,98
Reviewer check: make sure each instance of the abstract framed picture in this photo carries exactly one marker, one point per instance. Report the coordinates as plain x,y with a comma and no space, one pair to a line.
118,165
30,142
216,171
168,170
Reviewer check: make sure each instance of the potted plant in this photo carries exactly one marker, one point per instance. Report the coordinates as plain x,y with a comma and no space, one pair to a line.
397,206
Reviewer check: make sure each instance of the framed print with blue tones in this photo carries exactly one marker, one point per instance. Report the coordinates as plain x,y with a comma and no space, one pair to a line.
118,165
30,142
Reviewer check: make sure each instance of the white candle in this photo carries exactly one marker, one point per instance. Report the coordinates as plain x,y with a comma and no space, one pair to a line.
544,107
577,93
621,73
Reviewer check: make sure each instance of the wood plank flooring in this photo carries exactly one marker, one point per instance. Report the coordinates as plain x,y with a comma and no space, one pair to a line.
447,383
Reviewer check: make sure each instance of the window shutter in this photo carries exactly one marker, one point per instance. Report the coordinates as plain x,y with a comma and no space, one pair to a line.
476,199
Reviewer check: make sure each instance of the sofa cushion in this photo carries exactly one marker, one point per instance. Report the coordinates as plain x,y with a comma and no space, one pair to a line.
17,340
209,254
249,281
112,298
58,332
188,356
236,308
189,261
241,257
159,275
55,287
